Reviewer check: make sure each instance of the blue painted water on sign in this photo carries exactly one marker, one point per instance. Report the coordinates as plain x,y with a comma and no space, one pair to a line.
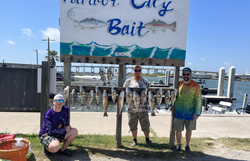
114,50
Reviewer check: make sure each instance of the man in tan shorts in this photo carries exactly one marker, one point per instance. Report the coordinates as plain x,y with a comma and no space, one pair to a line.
138,82
187,109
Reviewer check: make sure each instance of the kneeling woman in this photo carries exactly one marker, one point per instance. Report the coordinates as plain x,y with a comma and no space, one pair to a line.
56,128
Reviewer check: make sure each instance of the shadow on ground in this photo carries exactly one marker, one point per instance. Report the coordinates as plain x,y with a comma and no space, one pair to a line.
126,153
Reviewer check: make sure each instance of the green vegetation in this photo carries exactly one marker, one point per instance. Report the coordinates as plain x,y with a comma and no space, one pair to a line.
236,143
52,57
105,146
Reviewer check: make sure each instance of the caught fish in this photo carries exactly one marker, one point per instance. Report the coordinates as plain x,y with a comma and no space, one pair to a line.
120,103
173,96
167,99
151,101
143,96
109,74
102,74
74,96
160,25
89,99
129,96
136,99
98,95
76,15
105,103
66,93
159,98
113,94
82,95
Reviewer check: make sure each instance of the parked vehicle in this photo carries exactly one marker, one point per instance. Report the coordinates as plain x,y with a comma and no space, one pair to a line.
59,77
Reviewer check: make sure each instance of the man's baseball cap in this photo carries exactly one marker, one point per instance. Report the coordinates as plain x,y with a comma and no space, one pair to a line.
186,69
137,66
58,97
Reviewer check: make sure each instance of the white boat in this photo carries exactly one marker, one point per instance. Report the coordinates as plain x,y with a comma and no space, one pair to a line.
224,108
88,80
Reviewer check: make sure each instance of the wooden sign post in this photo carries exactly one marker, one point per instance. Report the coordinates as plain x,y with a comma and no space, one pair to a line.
172,132
44,90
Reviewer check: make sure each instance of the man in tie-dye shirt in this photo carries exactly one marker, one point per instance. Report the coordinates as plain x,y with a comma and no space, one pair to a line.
187,108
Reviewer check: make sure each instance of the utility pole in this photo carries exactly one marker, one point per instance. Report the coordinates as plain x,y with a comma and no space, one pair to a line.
45,91
36,56
48,47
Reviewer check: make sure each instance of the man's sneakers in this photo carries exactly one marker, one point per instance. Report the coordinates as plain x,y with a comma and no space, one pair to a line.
187,148
149,143
65,152
189,153
133,144
177,148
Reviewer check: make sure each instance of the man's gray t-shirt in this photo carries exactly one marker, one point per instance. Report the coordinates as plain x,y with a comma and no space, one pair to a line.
143,83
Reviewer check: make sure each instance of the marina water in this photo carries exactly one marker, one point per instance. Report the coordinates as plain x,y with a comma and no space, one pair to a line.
240,88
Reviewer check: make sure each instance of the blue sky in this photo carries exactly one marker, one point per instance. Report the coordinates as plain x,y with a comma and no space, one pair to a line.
218,33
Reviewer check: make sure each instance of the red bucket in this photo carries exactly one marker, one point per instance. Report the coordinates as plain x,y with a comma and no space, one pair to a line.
7,136
7,152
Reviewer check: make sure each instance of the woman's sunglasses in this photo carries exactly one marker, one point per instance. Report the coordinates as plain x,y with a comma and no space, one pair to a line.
137,70
59,101
186,74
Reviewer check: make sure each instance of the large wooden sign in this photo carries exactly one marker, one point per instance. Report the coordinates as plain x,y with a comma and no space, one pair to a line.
147,32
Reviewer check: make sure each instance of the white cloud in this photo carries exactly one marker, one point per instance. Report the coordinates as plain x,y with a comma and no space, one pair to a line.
226,63
27,32
42,51
189,63
11,42
203,59
52,33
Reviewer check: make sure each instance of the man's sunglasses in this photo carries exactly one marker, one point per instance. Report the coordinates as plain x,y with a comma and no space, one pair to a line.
185,74
59,101
137,70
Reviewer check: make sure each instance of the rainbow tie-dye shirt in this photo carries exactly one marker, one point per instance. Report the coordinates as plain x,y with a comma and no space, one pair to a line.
189,101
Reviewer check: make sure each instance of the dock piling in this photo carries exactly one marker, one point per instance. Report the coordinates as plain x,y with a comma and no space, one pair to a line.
231,79
244,103
167,77
221,81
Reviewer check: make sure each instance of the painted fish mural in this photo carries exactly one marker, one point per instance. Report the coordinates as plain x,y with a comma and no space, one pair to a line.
75,14
160,25
89,23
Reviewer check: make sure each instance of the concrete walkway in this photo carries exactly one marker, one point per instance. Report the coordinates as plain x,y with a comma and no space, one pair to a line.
209,125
